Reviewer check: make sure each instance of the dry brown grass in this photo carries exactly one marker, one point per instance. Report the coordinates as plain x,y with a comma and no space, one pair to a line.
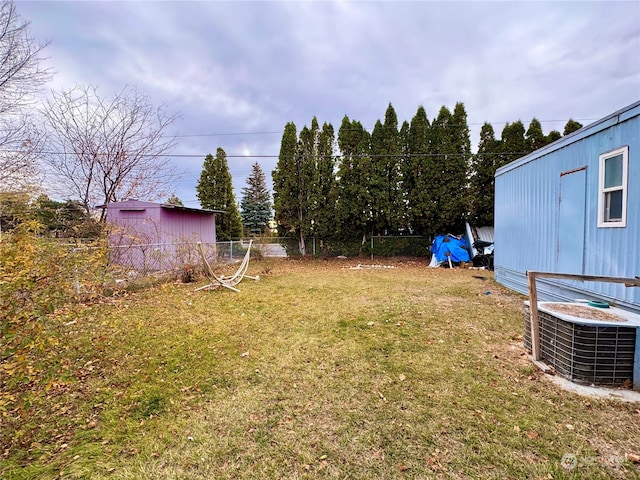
315,371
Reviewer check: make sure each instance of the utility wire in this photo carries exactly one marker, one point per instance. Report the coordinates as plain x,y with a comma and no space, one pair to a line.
389,155
221,134
448,125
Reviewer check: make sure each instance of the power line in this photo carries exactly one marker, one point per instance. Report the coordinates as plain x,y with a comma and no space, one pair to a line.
221,134
229,134
386,155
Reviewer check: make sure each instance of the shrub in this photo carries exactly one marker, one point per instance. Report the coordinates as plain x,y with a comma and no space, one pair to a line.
38,276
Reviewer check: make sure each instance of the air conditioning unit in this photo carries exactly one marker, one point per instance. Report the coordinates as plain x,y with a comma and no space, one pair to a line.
582,346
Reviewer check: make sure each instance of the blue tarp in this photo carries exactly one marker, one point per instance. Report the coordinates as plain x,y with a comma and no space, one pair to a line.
457,248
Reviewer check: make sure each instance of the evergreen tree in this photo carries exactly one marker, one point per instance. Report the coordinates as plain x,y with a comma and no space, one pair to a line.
308,198
451,148
571,127
64,219
174,200
534,137
403,138
215,192
460,165
441,149
353,207
392,206
256,202
482,178
325,185
553,135
288,188
316,182
417,174
378,182
513,145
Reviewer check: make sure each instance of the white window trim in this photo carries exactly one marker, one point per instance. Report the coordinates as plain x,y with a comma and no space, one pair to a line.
624,151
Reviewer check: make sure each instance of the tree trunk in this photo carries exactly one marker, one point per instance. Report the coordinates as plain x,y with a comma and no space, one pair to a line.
303,248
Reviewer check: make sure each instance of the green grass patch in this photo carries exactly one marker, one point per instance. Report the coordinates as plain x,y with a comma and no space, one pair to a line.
315,371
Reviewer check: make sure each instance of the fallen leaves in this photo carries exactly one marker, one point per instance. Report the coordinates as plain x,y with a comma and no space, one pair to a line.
632,457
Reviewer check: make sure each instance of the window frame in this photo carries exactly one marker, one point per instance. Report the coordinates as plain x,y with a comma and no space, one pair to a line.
602,191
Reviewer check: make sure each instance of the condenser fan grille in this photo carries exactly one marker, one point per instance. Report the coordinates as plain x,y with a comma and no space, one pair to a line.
587,354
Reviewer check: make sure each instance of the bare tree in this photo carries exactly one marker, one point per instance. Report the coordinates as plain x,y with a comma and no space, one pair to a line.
105,151
20,78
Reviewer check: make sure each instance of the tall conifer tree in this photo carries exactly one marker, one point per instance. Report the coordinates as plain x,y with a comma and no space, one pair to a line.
482,178
326,193
378,182
255,204
513,144
354,200
417,175
285,184
215,192
392,151
403,137
460,165
452,152
571,127
534,137
441,149
306,177
553,135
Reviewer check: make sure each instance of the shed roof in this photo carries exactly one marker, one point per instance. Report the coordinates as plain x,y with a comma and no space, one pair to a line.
621,115
141,205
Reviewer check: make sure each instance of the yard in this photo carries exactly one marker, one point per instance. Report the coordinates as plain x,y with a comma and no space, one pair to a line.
315,371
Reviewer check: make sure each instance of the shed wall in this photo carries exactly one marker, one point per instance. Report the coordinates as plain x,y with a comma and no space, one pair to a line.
187,226
147,236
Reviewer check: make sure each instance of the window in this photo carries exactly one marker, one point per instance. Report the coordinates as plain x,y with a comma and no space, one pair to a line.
612,188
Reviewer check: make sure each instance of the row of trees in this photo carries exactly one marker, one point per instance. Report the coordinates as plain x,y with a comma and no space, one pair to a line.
418,178
57,219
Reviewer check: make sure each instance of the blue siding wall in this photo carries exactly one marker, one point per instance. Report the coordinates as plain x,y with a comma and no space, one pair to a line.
527,214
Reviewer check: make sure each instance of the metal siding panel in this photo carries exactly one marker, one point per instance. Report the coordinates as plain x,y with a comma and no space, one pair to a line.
527,218
485,234
187,226
522,198
616,251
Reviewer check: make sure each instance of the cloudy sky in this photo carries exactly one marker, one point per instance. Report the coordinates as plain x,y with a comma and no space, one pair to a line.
237,72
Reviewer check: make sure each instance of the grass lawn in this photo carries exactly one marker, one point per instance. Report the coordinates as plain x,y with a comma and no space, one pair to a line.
315,371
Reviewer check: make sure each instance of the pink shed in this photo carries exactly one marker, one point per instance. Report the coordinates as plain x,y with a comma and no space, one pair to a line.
147,236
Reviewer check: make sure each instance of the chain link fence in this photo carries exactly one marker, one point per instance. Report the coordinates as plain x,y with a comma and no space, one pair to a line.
373,246
155,257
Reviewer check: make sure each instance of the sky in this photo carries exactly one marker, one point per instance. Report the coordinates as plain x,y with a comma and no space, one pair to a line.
237,72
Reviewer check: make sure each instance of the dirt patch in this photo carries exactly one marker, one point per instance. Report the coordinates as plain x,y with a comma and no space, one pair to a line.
583,311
